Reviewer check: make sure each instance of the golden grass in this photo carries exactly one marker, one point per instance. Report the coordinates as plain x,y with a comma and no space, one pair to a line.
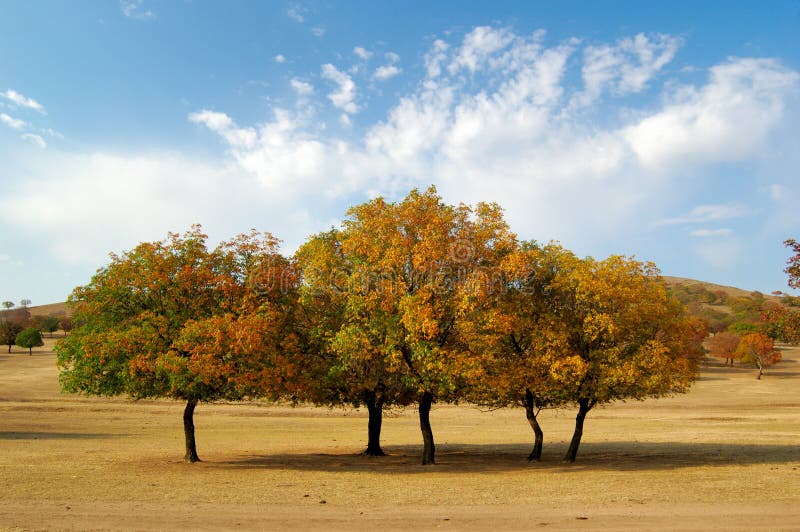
723,456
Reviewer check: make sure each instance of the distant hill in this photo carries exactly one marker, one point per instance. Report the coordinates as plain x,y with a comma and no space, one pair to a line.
53,309
730,291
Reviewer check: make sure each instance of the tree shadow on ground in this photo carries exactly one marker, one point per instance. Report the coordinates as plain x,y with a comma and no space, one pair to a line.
7,435
470,458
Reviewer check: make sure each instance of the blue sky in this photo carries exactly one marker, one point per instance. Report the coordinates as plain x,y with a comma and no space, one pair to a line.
665,130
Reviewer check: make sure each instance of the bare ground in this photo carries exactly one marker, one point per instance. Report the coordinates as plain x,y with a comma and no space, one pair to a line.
724,456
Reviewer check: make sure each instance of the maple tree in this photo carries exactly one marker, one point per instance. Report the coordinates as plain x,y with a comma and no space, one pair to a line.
759,350
175,319
724,345
626,337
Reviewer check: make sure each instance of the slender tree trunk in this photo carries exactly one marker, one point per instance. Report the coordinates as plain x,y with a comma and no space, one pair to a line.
429,448
760,370
30,351
9,348
375,409
188,430
584,405
530,413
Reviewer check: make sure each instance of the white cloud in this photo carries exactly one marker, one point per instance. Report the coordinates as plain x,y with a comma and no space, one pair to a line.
391,57
14,123
297,12
134,9
435,57
318,31
84,204
626,67
705,124
709,213
710,233
515,140
386,72
34,139
342,98
479,45
4,257
362,52
280,58
22,101
302,88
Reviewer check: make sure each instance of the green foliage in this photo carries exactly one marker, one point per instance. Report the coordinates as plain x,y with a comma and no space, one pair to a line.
742,327
29,338
48,324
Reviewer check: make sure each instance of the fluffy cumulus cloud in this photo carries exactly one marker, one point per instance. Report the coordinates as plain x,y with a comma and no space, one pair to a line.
362,52
302,88
528,136
554,131
705,124
385,72
344,95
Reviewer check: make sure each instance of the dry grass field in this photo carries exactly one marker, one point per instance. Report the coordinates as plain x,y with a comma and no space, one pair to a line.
724,456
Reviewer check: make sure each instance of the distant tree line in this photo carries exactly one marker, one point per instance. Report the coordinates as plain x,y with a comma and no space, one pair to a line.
407,303
18,327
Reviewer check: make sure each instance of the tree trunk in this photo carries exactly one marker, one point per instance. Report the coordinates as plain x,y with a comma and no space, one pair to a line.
760,370
584,405
30,351
9,348
530,413
429,448
188,430
375,409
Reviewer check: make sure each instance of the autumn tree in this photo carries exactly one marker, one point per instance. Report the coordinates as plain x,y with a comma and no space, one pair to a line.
175,319
66,324
724,345
8,333
759,350
522,359
397,270
781,323
625,336
793,263
29,338
346,361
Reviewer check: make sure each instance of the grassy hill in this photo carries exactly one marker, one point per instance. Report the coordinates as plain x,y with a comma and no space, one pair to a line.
52,309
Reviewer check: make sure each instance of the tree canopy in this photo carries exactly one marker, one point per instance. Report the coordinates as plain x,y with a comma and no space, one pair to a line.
175,319
29,338
414,301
